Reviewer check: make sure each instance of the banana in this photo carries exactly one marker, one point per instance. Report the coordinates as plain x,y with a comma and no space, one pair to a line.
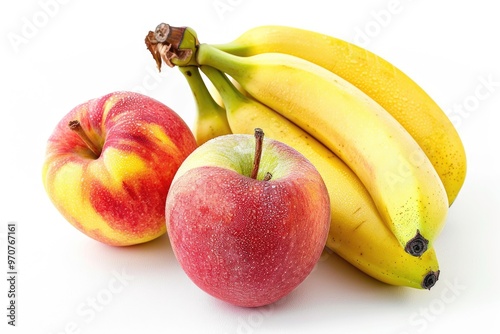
402,181
357,232
404,99
210,120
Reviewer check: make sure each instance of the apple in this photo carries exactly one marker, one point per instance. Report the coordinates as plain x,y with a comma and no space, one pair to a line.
109,164
247,218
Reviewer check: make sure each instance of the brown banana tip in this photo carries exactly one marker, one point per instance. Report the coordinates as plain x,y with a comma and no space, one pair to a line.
430,279
417,245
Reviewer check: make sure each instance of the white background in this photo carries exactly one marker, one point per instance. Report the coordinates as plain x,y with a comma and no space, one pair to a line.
84,49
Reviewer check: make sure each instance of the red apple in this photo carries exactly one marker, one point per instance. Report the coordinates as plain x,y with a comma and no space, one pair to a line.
247,239
110,162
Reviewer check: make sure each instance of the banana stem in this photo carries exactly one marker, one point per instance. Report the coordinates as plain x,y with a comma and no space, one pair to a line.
173,45
204,100
230,95
223,61
211,119
235,48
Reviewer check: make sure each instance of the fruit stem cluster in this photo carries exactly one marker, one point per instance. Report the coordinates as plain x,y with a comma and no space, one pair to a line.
173,45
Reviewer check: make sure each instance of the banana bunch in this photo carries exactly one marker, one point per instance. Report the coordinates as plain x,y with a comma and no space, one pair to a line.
391,159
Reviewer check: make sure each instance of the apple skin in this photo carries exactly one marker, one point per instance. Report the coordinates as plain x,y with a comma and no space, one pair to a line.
247,241
119,197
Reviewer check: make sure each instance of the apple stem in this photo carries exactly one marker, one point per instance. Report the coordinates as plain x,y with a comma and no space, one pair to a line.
77,127
259,138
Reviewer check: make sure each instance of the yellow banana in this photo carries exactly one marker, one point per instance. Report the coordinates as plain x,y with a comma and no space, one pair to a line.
404,99
401,179
357,233
211,119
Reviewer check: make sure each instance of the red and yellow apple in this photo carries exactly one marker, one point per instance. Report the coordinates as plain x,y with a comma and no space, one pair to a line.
247,235
110,162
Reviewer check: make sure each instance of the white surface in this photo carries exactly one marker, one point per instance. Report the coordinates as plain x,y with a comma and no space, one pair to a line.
85,49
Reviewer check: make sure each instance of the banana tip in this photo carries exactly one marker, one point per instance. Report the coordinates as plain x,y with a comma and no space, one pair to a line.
417,245
430,279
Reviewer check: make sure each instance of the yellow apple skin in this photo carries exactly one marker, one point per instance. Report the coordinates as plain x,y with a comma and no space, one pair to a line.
118,197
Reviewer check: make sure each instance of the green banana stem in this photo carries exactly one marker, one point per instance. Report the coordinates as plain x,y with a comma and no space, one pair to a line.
204,100
223,61
230,95
211,120
236,49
